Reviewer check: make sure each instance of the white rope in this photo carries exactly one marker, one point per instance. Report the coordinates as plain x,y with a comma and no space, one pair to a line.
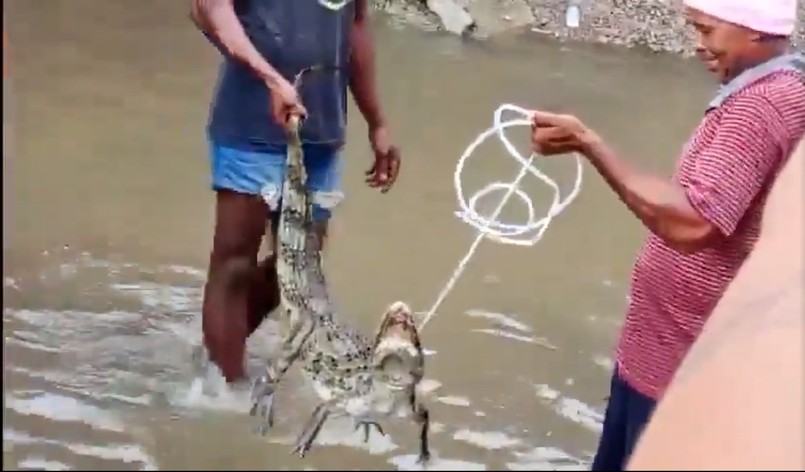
527,234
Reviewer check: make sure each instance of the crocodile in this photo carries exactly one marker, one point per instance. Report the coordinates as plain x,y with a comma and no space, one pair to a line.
355,376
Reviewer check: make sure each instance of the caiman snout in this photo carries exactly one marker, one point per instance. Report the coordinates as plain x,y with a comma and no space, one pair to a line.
397,349
398,321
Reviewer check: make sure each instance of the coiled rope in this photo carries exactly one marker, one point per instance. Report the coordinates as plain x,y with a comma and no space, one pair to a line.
527,234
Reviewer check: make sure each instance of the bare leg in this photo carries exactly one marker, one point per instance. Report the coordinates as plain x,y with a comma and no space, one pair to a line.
238,230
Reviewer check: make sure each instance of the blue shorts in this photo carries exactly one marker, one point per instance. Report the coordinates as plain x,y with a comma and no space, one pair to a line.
627,413
253,172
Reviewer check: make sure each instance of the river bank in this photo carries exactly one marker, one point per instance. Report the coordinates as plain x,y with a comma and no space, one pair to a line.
656,25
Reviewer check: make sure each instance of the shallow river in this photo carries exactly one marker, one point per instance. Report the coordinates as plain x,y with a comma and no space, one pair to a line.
108,220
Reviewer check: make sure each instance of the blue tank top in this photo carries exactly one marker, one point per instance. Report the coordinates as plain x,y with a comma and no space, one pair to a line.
291,35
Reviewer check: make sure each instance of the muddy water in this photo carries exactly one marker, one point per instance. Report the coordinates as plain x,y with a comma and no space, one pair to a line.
108,226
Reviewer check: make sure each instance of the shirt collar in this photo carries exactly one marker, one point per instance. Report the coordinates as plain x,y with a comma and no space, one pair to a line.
790,61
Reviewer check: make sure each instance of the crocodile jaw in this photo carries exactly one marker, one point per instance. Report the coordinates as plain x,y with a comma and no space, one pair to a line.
397,353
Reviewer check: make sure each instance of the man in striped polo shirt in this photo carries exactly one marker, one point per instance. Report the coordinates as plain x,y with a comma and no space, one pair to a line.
703,221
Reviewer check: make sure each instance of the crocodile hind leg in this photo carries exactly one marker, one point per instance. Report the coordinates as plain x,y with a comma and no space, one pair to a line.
263,404
265,386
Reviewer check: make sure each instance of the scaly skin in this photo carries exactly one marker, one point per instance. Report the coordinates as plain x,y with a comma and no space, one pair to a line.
355,376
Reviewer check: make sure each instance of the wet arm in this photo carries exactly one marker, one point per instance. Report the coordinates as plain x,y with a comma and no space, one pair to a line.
659,203
362,81
218,21
711,202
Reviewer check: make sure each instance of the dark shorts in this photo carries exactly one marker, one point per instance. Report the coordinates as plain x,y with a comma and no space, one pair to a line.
627,413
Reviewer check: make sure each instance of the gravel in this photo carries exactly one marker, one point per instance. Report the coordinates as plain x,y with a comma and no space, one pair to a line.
656,25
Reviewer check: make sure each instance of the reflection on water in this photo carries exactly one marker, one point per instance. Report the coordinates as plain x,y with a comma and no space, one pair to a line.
109,223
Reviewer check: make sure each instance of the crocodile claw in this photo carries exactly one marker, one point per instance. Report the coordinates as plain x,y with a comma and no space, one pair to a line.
263,404
306,439
301,449
311,430
366,425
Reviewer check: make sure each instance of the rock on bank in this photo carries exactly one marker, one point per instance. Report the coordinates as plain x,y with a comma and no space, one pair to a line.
653,24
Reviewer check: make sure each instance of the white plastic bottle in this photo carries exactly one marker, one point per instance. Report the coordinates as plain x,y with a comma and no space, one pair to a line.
573,14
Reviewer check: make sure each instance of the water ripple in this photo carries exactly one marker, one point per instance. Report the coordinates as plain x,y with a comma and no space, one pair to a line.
126,374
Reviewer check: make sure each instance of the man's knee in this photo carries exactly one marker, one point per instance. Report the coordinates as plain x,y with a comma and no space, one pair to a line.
234,255
235,271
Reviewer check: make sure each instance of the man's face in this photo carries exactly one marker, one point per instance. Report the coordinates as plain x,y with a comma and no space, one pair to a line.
721,45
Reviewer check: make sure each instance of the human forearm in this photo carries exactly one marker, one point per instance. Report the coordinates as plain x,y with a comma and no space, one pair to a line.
363,83
217,19
659,203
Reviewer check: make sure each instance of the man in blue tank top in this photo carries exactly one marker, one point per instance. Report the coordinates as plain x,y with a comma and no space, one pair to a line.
265,44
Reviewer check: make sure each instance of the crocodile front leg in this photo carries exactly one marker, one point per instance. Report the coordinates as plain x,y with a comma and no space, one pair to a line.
312,428
320,415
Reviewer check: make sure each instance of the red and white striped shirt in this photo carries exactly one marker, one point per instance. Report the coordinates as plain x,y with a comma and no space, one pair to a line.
726,170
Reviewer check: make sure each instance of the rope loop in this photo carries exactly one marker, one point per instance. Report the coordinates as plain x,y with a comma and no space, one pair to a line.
523,234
